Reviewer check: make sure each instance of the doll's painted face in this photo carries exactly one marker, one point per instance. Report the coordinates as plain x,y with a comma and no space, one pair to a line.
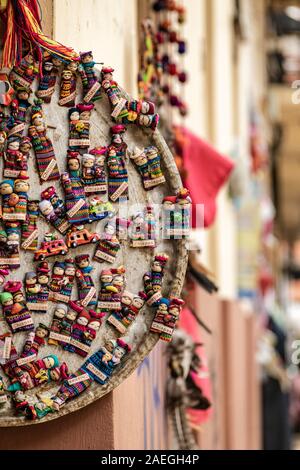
141,160
100,160
156,288
72,66
95,325
156,267
41,332
56,62
15,145
82,321
71,315
88,162
106,278
107,76
70,271
138,302
74,116
48,362
23,95
117,138
2,137
47,209
119,352
43,279
163,308
19,396
85,115
139,219
126,299
3,238
60,313
29,59
58,271
38,121
174,310
144,120
31,281
25,147
8,302
73,164
13,237
145,107
19,297
109,229
48,66
67,75
109,346
87,58
54,375
118,281
84,263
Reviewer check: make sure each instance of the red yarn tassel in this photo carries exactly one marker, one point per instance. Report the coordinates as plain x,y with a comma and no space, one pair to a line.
23,32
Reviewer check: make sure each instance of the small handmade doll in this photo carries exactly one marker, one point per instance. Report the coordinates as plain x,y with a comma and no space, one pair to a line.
29,231
79,126
32,289
15,161
93,172
82,332
153,280
57,281
47,210
65,292
109,245
130,307
37,289
100,369
141,113
76,204
147,162
24,73
14,200
19,109
66,324
85,284
90,82
50,69
72,387
43,278
14,307
142,229
176,214
56,327
117,172
58,204
42,145
166,317
4,257
13,244
112,282
67,93
35,340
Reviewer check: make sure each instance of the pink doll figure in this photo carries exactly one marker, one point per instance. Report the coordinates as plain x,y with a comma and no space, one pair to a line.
166,317
68,83
90,81
42,145
93,172
79,126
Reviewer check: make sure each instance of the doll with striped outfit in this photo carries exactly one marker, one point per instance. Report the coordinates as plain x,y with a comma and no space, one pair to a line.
25,72
116,164
14,307
90,81
166,317
79,126
153,280
68,82
42,145
85,283
29,232
76,204
50,69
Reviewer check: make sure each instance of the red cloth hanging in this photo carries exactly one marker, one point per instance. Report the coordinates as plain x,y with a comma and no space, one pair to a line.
207,171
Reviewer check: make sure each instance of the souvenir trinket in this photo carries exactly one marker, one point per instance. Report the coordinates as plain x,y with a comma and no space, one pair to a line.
84,329
56,326
166,317
29,231
73,386
78,236
35,340
112,285
7,91
176,214
42,145
117,172
51,246
68,85
90,82
24,73
67,319
98,209
101,364
109,245
142,229
14,307
37,288
14,199
12,230
54,213
147,162
62,280
76,204
153,280
85,284
93,172
50,69
125,111
79,126
130,307
19,107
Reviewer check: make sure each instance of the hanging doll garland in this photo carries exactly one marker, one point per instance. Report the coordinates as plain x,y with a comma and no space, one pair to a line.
86,289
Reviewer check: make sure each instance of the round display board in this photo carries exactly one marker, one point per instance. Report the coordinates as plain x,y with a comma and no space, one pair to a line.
137,261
